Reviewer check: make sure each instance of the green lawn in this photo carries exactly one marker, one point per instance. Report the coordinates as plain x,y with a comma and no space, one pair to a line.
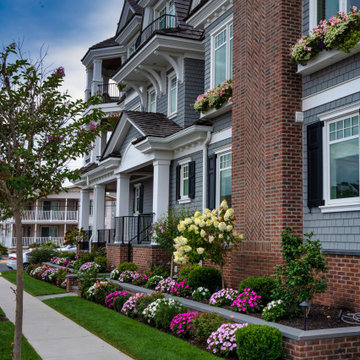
7,337
140,341
33,286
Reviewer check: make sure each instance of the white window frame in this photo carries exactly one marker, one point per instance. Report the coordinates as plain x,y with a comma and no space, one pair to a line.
226,24
170,78
150,93
136,196
131,43
221,152
183,164
313,12
336,205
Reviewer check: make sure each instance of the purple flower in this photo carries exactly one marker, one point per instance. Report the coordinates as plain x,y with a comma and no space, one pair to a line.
60,71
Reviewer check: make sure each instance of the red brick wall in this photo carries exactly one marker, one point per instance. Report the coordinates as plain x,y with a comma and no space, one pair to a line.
323,349
115,255
266,141
343,280
144,255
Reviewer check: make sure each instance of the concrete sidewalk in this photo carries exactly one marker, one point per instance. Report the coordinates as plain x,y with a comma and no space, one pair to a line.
53,335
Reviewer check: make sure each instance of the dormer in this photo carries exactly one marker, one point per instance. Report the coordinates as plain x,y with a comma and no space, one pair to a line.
129,26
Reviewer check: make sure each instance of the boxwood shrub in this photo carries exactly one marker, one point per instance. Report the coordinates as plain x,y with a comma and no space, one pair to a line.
208,277
259,342
262,285
127,266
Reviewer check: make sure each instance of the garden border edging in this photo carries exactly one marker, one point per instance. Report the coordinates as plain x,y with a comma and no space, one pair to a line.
286,331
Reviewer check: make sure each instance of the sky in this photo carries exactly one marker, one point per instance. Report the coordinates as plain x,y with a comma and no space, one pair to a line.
63,29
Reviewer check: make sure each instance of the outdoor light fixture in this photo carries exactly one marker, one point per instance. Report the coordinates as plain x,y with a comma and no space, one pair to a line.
305,305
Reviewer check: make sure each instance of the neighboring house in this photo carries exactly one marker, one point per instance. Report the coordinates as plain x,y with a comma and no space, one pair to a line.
161,153
48,219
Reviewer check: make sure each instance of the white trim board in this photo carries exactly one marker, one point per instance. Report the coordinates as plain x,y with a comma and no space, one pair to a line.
331,94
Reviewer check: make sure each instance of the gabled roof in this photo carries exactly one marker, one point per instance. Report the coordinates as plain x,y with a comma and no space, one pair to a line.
88,168
130,9
110,42
152,124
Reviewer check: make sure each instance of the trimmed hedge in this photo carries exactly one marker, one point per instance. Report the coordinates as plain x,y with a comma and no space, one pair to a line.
259,342
208,277
262,285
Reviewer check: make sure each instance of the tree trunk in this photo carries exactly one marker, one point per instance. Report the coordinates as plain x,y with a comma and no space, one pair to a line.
19,287
172,266
222,276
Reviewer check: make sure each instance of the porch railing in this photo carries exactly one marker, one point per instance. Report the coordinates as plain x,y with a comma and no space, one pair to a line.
110,92
27,241
133,229
162,22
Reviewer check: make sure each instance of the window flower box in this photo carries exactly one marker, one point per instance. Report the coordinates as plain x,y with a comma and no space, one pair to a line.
341,32
214,99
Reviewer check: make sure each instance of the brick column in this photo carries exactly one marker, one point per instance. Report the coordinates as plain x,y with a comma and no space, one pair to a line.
266,142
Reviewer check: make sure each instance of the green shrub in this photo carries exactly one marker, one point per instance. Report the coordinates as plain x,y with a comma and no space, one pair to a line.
208,277
83,258
153,281
186,270
101,260
103,291
3,250
161,269
120,301
259,342
301,275
144,301
127,266
32,267
166,313
41,255
262,285
205,324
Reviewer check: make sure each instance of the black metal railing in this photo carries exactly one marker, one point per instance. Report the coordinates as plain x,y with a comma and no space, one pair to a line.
105,236
133,229
161,23
84,243
109,92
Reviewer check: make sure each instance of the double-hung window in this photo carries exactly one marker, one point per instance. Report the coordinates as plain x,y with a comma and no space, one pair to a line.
152,101
222,53
138,189
184,181
342,160
172,95
131,48
223,190
325,9
166,15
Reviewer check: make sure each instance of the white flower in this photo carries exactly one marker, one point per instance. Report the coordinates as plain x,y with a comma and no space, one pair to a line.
202,233
187,248
229,228
211,239
200,250
222,226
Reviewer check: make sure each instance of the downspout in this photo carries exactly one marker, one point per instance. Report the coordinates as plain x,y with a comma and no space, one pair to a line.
205,168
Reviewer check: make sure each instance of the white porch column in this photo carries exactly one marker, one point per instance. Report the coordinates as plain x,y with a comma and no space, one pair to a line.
122,195
89,77
84,209
161,188
97,76
99,210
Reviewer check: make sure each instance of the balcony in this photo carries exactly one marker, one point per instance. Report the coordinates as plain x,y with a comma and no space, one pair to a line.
27,241
50,216
163,22
109,92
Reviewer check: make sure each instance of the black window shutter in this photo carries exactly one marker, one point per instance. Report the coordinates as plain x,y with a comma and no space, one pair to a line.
141,206
192,179
178,167
315,164
134,199
212,181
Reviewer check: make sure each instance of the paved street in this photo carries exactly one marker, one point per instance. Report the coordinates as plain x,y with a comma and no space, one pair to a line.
3,266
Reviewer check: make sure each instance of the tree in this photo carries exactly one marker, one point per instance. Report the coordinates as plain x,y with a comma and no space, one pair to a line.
41,130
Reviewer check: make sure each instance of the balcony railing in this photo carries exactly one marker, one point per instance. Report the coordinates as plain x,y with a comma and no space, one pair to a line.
161,23
27,241
51,215
110,92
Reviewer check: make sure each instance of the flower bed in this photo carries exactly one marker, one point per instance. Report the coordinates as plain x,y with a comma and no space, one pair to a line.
48,274
214,98
341,32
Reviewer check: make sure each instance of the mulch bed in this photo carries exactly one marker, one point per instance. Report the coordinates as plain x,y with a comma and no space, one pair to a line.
320,317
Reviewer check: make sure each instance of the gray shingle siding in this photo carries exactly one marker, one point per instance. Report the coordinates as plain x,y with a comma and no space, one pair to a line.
131,135
148,196
196,203
306,17
208,30
222,122
337,231
218,145
335,74
194,85
131,104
